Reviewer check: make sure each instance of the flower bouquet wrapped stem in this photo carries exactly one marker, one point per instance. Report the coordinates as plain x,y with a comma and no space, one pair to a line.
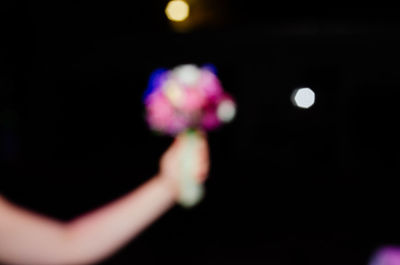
191,191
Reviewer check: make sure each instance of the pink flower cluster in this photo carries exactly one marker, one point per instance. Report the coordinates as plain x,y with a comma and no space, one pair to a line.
186,97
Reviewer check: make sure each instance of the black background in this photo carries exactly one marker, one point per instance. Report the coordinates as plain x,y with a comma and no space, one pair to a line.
287,185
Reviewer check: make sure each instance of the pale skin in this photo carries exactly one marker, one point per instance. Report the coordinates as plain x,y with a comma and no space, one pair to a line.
30,238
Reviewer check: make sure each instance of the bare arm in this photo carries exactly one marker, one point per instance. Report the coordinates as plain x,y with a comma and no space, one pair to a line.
28,238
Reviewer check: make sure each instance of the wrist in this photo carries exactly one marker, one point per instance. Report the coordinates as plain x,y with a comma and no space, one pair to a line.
170,185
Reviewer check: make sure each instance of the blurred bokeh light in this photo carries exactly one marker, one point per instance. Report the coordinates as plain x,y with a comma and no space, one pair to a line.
177,10
303,97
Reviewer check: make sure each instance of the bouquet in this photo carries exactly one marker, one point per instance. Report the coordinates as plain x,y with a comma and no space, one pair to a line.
186,99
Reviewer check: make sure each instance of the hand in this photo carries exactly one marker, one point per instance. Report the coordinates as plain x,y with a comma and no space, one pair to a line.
171,164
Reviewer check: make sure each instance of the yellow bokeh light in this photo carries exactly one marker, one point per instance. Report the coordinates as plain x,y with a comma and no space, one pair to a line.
177,10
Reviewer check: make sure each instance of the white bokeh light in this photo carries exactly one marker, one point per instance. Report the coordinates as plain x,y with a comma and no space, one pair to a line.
303,97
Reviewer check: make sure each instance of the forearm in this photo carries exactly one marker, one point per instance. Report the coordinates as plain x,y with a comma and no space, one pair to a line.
26,238
100,233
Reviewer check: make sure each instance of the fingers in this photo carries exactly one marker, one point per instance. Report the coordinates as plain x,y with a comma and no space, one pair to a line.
199,154
204,161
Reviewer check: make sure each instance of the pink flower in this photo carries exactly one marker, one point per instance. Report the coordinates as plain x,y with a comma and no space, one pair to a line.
210,119
160,113
210,84
178,124
194,100
186,97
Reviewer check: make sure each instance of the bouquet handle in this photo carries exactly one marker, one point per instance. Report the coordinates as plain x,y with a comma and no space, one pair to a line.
191,191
